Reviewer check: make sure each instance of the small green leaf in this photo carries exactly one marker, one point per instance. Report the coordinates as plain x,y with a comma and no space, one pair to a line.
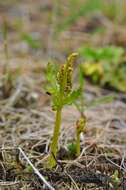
29,169
51,72
31,41
72,149
71,98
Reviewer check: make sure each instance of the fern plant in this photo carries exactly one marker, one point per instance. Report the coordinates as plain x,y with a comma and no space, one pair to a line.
60,87
82,106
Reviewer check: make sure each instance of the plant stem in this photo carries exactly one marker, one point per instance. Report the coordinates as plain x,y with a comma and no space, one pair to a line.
54,145
5,38
78,144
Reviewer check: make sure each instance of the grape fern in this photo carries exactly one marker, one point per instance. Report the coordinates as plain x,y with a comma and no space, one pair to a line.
60,87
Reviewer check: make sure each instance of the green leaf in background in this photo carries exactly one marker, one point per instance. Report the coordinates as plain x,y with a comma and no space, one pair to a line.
105,66
109,53
99,101
31,41
86,7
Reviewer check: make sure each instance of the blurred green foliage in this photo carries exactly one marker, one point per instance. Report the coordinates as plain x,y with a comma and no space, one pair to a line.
31,41
111,53
105,66
111,9
75,14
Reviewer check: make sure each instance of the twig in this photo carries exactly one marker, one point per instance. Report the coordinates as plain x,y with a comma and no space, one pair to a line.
75,184
36,170
120,167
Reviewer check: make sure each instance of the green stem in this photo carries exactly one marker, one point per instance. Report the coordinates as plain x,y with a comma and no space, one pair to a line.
54,145
5,37
78,144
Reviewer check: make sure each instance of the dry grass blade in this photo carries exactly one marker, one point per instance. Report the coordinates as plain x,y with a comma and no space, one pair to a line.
36,170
